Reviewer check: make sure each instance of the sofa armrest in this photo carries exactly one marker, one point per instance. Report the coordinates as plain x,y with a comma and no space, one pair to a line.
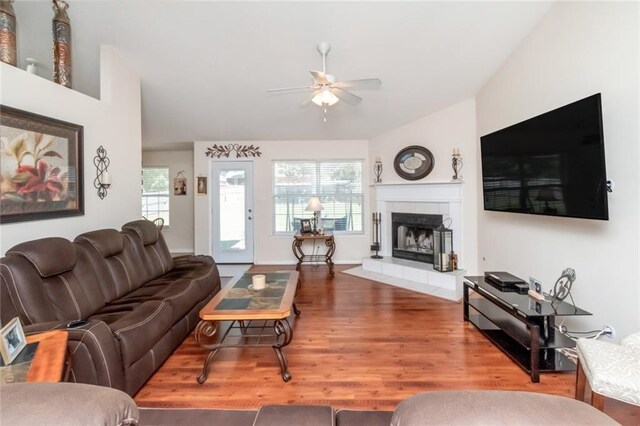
95,358
190,259
632,341
42,327
66,404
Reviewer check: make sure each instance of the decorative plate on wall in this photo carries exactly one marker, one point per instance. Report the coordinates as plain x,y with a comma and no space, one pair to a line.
413,162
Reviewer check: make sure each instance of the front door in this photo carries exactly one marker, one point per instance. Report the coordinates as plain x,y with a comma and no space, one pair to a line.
232,211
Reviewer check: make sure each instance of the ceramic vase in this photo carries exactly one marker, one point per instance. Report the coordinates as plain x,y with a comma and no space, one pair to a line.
61,44
7,33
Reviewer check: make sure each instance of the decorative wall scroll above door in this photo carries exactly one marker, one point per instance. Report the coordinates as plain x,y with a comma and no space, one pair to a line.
219,151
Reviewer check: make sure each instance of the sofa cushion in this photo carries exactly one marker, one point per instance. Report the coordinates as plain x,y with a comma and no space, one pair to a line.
138,330
145,229
182,295
50,256
299,415
68,290
495,408
118,267
151,251
196,416
107,242
201,269
358,418
66,404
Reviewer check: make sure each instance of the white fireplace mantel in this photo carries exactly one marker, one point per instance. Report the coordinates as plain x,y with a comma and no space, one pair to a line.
443,198
433,198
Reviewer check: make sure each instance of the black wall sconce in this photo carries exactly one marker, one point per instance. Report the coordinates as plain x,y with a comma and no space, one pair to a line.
103,177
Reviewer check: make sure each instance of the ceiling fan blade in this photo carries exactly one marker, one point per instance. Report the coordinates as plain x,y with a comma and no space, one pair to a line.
307,100
319,77
348,97
283,89
363,83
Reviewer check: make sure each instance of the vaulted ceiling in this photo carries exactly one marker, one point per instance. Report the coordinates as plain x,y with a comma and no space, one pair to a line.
205,66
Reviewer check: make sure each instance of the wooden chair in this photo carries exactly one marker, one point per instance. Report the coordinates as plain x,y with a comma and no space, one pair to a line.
159,222
611,370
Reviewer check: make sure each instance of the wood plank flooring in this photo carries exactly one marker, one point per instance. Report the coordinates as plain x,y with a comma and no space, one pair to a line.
358,344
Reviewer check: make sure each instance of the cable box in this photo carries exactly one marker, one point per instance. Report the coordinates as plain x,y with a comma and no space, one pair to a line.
504,279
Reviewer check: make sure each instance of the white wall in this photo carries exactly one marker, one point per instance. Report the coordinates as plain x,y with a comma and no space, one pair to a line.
271,249
440,132
179,232
113,122
578,49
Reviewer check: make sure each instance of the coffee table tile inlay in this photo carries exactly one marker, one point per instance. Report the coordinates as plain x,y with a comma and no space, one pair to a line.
258,318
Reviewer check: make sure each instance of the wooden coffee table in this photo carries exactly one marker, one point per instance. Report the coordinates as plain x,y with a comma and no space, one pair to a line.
258,317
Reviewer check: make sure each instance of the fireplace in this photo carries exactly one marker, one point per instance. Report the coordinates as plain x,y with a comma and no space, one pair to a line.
412,235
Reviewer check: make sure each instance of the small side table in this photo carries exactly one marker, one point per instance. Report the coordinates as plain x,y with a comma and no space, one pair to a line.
299,239
50,363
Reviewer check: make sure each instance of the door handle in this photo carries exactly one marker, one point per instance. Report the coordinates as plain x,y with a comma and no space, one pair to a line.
249,218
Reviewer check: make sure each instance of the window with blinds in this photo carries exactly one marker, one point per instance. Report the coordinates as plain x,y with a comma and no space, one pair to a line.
338,185
155,193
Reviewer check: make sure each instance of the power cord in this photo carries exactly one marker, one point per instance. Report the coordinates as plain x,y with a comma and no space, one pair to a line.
572,353
574,335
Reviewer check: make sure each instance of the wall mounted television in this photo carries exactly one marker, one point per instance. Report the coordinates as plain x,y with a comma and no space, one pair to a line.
552,164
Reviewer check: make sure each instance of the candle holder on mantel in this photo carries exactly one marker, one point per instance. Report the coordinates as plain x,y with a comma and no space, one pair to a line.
376,219
456,164
377,170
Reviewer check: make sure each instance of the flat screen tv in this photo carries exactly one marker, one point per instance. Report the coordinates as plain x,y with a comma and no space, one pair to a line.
552,164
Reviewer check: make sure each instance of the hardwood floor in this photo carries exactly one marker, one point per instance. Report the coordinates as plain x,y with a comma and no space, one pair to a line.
358,344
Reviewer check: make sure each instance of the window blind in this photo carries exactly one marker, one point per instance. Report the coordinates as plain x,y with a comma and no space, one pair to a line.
337,183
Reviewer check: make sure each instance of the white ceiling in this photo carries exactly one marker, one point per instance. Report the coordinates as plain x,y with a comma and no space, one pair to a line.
205,66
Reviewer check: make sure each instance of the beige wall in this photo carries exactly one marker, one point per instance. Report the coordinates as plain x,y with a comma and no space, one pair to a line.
440,132
578,49
179,233
269,248
113,122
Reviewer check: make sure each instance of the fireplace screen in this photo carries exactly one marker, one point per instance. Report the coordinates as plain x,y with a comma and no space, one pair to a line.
412,238
412,235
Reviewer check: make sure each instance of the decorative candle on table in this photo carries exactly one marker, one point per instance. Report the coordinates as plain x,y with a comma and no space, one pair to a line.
258,282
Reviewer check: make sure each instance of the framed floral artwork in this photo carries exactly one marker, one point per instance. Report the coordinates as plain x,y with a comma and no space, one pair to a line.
40,167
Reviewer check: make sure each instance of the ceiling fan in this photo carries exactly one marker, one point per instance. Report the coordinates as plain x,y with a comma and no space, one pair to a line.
326,90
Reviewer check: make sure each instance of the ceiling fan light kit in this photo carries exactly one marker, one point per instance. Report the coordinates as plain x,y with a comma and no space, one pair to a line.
325,98
326,90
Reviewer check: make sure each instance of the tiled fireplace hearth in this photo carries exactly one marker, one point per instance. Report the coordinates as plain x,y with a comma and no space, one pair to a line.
419,206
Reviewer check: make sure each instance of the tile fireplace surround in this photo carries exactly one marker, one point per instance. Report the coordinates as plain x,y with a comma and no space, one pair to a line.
443,198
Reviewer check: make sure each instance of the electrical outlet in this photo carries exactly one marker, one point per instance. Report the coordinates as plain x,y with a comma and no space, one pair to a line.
609,331
535,285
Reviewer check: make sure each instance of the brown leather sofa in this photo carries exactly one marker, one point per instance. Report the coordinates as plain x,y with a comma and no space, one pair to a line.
75,404
138,301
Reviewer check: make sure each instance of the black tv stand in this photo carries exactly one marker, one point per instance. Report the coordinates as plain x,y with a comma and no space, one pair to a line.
522,327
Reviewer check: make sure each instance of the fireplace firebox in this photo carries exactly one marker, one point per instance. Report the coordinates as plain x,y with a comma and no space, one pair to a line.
412,235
